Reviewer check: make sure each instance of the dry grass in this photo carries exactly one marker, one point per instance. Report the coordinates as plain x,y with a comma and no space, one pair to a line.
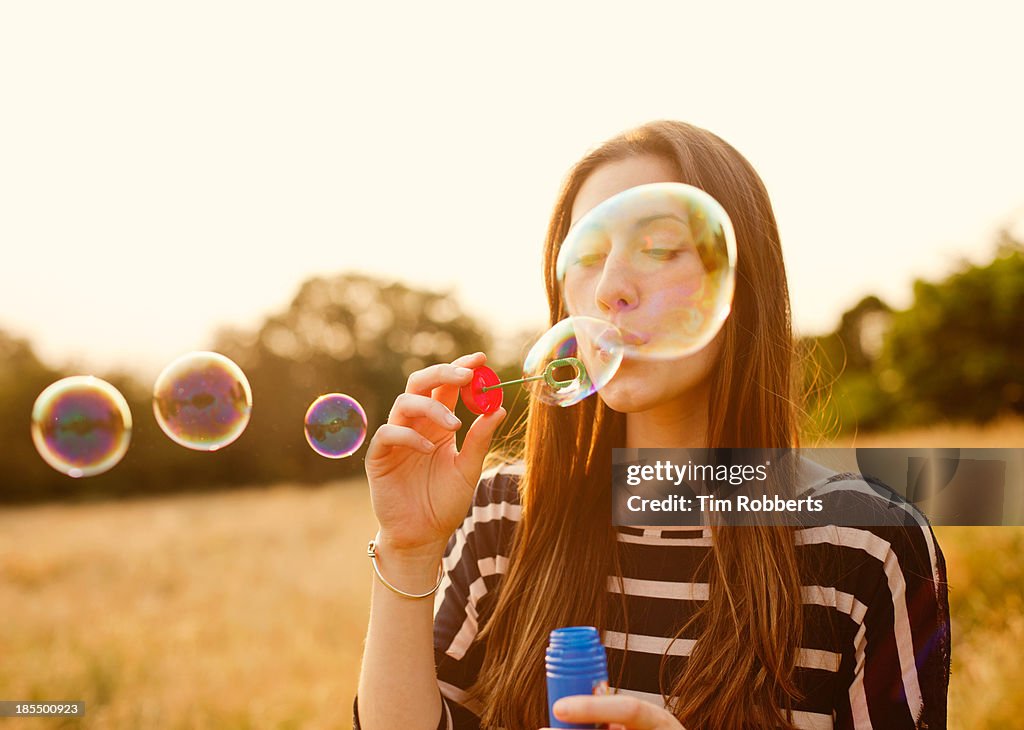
985,571
247,609
1007,433
233,610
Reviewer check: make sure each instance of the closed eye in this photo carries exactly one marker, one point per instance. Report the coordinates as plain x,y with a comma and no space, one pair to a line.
663,254
589,259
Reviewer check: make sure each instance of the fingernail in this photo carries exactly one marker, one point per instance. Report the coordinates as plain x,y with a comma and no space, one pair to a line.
463,372
428,445
452,421
565,706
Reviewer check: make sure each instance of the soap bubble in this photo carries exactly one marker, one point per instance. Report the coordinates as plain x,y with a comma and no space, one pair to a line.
335,425
202,401
658,260
577,357
81,426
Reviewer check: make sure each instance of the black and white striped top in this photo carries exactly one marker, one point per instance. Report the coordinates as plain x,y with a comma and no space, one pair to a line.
875,650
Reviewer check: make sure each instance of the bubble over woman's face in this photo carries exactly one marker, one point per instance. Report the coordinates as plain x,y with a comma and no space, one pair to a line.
634,301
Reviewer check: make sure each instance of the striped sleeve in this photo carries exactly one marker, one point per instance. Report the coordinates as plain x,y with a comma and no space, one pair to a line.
900,650
475,560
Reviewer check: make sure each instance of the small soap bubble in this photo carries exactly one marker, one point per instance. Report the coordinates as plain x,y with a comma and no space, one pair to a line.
202,401
335,425
577,357
659,261
81,426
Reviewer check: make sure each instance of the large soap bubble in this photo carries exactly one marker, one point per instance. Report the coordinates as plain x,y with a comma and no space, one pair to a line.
658,261
202,401
81,426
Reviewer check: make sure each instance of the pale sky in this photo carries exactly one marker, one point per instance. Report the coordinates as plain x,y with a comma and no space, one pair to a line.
166,169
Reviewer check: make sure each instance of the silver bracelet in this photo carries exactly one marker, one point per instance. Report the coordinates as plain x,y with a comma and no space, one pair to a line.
371,552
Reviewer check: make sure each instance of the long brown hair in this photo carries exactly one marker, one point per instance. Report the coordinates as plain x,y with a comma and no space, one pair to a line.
741,671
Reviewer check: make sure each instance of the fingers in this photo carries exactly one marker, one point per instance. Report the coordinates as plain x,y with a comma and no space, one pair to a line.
476,444
409,406
442,381
629,711
390,435
431,393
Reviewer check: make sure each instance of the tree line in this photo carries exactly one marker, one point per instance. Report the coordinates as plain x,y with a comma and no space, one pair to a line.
957,353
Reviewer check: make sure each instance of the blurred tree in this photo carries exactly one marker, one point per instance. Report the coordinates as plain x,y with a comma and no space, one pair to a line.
152,464
351,333
958,352
22,378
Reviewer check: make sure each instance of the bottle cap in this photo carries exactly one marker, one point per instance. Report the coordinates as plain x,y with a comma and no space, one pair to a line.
476,400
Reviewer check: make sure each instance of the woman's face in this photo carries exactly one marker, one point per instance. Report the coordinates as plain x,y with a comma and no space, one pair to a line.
634,300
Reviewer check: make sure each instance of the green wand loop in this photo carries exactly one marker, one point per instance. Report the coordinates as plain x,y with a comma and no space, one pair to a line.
548,376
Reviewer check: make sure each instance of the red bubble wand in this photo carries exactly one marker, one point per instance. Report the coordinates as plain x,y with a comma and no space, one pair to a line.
483,393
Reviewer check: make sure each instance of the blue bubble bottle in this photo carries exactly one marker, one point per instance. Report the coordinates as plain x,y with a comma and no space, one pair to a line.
576,665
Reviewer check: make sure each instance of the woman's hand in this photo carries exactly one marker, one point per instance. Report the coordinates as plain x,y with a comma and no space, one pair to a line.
420,486
621,712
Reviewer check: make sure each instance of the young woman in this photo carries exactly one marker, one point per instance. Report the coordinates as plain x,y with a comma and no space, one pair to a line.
715,627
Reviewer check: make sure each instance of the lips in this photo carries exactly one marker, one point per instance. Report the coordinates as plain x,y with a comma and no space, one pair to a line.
610,338
630,337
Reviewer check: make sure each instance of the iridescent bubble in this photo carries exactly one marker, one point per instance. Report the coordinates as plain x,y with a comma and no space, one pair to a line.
81,426
335,425
574,359
657,260
202,401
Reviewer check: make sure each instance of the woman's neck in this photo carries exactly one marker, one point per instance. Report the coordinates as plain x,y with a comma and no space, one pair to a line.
670,425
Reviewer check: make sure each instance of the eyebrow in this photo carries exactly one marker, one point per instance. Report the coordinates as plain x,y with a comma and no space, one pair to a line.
596,228
658,216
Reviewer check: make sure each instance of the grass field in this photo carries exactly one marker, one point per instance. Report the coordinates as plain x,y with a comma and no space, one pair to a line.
238,610
247,609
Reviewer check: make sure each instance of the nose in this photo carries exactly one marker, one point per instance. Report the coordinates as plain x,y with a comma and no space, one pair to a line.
616,289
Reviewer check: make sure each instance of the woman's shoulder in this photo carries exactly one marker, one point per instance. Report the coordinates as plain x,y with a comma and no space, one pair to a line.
885,542
498,487
492,517
855,499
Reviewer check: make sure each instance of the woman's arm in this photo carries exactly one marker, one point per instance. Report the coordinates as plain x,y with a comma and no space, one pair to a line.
398,684
421,488
901,650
